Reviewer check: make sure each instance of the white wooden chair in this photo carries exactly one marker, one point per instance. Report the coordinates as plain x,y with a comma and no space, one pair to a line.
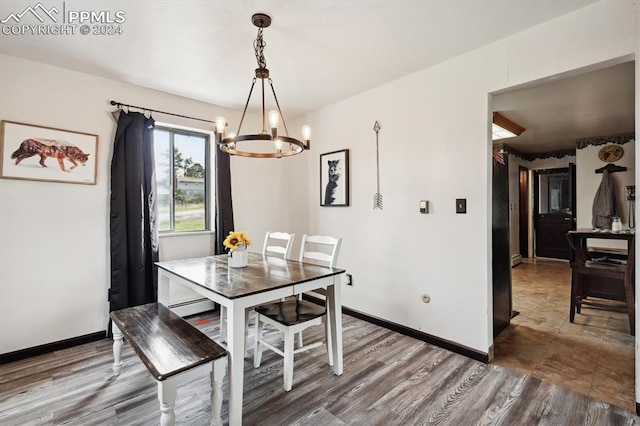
275,244
293,315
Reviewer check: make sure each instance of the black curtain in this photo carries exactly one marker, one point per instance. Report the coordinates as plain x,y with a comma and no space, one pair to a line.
224,206
133,218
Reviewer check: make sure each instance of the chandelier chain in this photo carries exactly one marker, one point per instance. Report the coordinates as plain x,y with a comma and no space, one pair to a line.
258,46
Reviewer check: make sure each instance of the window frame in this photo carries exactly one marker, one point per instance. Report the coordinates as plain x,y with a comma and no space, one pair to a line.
208,184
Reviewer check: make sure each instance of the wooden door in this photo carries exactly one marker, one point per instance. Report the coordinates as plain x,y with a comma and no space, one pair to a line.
501,251
554,213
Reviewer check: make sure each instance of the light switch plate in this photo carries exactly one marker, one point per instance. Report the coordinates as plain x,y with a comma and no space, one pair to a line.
424,206
461,205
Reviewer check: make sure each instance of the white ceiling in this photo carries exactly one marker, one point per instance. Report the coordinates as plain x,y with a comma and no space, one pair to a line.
318,51
558,112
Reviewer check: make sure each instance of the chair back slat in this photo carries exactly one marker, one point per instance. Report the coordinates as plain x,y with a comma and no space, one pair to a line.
320,250
278,243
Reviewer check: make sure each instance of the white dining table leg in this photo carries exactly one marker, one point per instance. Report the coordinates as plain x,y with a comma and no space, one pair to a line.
163,288
334,310
235,346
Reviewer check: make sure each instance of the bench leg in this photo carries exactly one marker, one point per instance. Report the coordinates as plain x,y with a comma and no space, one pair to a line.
167,395
217,376
117,349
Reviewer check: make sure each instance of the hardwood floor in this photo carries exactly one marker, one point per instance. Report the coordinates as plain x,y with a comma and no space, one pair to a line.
594,356
388,379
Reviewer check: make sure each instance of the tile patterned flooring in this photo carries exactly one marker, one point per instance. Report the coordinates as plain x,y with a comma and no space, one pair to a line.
593,356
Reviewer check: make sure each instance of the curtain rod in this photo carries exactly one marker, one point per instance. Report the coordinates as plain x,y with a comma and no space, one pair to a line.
120,104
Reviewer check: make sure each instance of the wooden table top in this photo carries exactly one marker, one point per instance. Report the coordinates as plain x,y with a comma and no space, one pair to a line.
263,273
625,234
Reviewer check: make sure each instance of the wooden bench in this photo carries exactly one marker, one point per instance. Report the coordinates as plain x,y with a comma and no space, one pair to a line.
172,350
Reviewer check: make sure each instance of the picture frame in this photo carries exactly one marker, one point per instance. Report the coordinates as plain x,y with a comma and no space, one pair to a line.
41,153
334,179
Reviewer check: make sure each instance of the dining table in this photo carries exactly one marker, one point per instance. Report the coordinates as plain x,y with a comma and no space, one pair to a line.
263,280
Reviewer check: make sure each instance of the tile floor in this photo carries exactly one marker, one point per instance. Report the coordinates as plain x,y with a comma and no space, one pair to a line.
593,356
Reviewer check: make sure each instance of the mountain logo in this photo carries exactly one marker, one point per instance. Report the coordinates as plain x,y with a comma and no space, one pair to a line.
38,11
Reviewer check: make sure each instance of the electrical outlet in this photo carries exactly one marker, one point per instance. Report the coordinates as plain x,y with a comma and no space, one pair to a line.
349,280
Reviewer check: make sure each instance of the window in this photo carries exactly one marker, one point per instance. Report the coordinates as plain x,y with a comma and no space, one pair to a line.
183,179
554,193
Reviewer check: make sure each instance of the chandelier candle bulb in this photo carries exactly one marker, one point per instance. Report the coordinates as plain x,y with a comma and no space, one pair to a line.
221,123
273,120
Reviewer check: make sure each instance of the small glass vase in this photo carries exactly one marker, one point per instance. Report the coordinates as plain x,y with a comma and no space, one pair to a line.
616,224
238,258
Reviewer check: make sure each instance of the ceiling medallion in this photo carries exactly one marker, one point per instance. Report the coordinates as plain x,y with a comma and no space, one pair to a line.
265,144
610,153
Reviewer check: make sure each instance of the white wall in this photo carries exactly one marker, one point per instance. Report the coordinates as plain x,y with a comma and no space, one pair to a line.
54,238
435,145
552,163
587,181
514,204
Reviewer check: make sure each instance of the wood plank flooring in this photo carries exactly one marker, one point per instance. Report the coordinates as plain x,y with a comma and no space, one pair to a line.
389,379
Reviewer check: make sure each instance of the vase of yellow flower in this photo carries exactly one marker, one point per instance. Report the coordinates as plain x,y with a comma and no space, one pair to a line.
237,243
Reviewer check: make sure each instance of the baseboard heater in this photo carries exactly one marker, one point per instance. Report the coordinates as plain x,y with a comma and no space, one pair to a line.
192,307
516,259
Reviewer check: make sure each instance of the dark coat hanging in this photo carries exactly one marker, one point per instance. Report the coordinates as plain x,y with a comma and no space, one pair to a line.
604,203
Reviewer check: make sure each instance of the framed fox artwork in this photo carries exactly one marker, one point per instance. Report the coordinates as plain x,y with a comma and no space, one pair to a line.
33,152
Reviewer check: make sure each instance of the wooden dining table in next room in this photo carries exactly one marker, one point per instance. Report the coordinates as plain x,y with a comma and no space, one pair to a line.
264,280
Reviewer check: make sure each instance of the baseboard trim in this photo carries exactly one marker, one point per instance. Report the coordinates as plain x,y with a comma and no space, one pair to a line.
425,337
51,347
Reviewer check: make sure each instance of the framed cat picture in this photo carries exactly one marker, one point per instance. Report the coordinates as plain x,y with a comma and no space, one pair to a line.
33,152
334,179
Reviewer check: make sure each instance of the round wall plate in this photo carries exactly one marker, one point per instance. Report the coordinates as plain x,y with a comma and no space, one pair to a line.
610,153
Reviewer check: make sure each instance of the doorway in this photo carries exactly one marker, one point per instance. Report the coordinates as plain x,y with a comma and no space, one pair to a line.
554,210
542,328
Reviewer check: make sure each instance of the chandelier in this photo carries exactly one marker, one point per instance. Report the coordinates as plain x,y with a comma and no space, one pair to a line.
265,144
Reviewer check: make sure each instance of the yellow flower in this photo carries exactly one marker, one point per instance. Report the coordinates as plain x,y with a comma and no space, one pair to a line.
244,238
236,240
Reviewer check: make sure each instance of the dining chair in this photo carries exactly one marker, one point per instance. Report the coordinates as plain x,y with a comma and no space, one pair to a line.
294,314
275,244
593,282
